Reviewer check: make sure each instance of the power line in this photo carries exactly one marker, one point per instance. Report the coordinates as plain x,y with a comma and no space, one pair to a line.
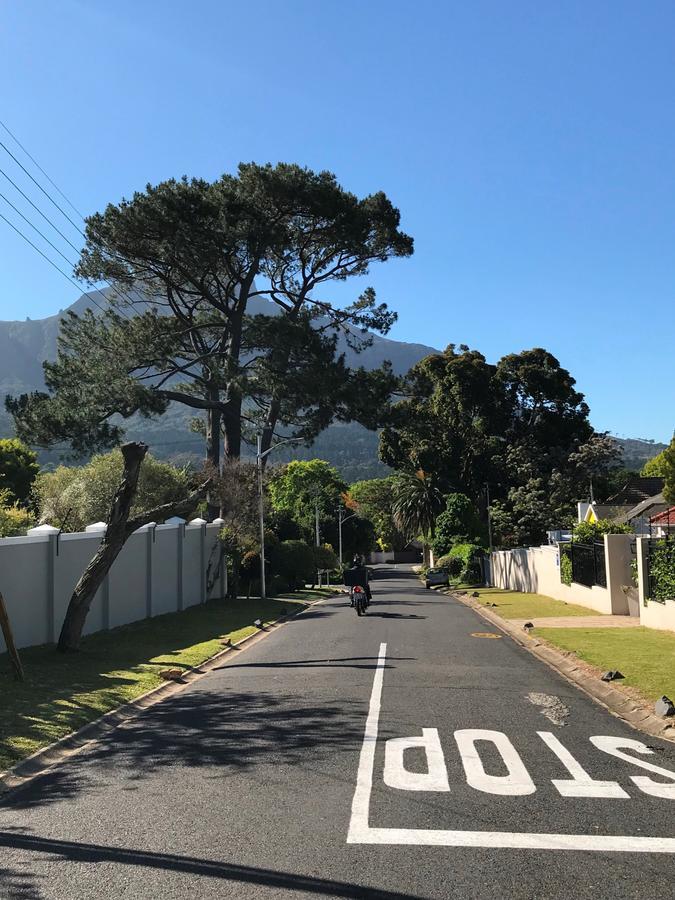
36,163
35,228
50,261
118,292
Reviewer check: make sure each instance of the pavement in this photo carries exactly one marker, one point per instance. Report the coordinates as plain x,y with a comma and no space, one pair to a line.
580,622
412,753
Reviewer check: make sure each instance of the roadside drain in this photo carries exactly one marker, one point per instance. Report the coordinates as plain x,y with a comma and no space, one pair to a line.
551,707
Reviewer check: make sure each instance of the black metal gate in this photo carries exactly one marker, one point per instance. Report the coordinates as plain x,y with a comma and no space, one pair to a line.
588,563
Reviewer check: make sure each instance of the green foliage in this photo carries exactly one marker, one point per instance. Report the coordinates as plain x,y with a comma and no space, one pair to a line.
74,497
587,532
325,558
374,500
14,519
453,564
458,523
18,469
565,564
656,466
520,426
296,489
294,561
469,555
666,469
194,248
662,571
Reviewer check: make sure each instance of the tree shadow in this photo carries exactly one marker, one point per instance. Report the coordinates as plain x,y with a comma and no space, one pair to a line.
346,662
93,853
228,731
16,884
393,615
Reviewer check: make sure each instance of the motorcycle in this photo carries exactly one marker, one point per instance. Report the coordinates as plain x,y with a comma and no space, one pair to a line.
358,599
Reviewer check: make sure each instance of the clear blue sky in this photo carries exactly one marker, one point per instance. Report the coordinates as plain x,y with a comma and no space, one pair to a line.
530,147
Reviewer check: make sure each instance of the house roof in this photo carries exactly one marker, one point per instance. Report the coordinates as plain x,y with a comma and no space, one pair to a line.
635,490
667,517
641,510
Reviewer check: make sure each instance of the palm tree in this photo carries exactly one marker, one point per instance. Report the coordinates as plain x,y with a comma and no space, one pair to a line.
417,503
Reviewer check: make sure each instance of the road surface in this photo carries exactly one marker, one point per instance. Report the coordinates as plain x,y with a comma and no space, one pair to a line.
405,754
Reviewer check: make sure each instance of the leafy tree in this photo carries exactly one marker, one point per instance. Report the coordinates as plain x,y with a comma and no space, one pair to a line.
520,426
294,561
193,250
417,504
663,465
298,488
325,558
14,519
374,500
73,497
459,523
18,469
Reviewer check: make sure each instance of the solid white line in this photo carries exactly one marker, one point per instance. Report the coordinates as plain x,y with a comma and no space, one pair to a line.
358,824
360,831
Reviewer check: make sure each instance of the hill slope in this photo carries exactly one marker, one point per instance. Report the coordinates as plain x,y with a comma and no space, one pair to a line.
24,346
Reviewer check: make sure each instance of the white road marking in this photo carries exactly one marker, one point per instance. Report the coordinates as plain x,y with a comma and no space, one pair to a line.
360,831
397,776
581,784
611,745
516,783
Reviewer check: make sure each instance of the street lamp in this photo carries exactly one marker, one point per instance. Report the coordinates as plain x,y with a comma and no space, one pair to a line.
341,520
261,507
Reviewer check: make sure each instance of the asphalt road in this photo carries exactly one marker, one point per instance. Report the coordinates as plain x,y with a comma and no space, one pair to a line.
398,755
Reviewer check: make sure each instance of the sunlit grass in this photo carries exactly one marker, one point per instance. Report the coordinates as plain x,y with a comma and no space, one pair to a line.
517,605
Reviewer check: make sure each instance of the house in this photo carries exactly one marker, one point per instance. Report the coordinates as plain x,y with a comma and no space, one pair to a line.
663,523
641,515
637,500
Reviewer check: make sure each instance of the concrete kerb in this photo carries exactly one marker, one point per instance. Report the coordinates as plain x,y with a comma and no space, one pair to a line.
38,763
631,711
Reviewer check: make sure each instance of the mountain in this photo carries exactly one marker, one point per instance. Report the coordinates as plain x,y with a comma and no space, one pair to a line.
24,346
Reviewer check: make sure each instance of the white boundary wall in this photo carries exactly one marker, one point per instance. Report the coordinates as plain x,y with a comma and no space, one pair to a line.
537,570
161,569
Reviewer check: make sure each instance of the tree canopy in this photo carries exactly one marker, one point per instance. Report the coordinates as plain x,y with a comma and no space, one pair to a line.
183,258
18,470
519,426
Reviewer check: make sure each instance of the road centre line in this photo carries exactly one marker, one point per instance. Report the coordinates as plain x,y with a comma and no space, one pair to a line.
360,831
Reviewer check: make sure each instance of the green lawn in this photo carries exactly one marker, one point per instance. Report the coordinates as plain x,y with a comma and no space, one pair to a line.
645,656
63,692
517,605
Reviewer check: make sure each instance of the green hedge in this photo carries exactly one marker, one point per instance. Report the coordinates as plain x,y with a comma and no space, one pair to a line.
662,571
463,561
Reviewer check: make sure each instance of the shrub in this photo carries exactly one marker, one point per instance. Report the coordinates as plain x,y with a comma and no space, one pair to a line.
14,520
279,585
458,523
565,564
325,558
470,556
662,571
587,532
294,560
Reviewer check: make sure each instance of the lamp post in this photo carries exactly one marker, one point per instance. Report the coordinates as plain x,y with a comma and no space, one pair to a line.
261,505
341,520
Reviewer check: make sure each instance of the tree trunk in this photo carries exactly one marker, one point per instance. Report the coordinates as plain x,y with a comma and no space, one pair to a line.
213,419
232,427
113,541
119,528
9,641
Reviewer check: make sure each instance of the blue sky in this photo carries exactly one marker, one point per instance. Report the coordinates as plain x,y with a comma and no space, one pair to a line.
529,146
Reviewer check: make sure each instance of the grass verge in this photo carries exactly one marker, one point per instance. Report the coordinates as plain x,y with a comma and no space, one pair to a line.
63,692
646,657
517,605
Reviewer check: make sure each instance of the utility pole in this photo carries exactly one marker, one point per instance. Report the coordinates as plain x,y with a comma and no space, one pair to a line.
318,536
341,520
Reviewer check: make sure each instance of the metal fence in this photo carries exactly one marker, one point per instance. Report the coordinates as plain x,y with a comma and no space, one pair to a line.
588,563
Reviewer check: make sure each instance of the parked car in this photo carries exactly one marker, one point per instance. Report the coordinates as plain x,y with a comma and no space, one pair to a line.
437,575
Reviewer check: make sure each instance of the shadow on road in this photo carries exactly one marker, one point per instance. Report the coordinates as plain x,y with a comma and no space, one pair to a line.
346,662
94,853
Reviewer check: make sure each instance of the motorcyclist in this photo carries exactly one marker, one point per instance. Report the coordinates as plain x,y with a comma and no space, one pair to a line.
358,574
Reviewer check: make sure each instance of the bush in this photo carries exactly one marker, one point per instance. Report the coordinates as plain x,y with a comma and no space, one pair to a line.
325,559
74,497
458,523
279,585
662,571
14,520
587,532
294,561
565,564
469,555
18,469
